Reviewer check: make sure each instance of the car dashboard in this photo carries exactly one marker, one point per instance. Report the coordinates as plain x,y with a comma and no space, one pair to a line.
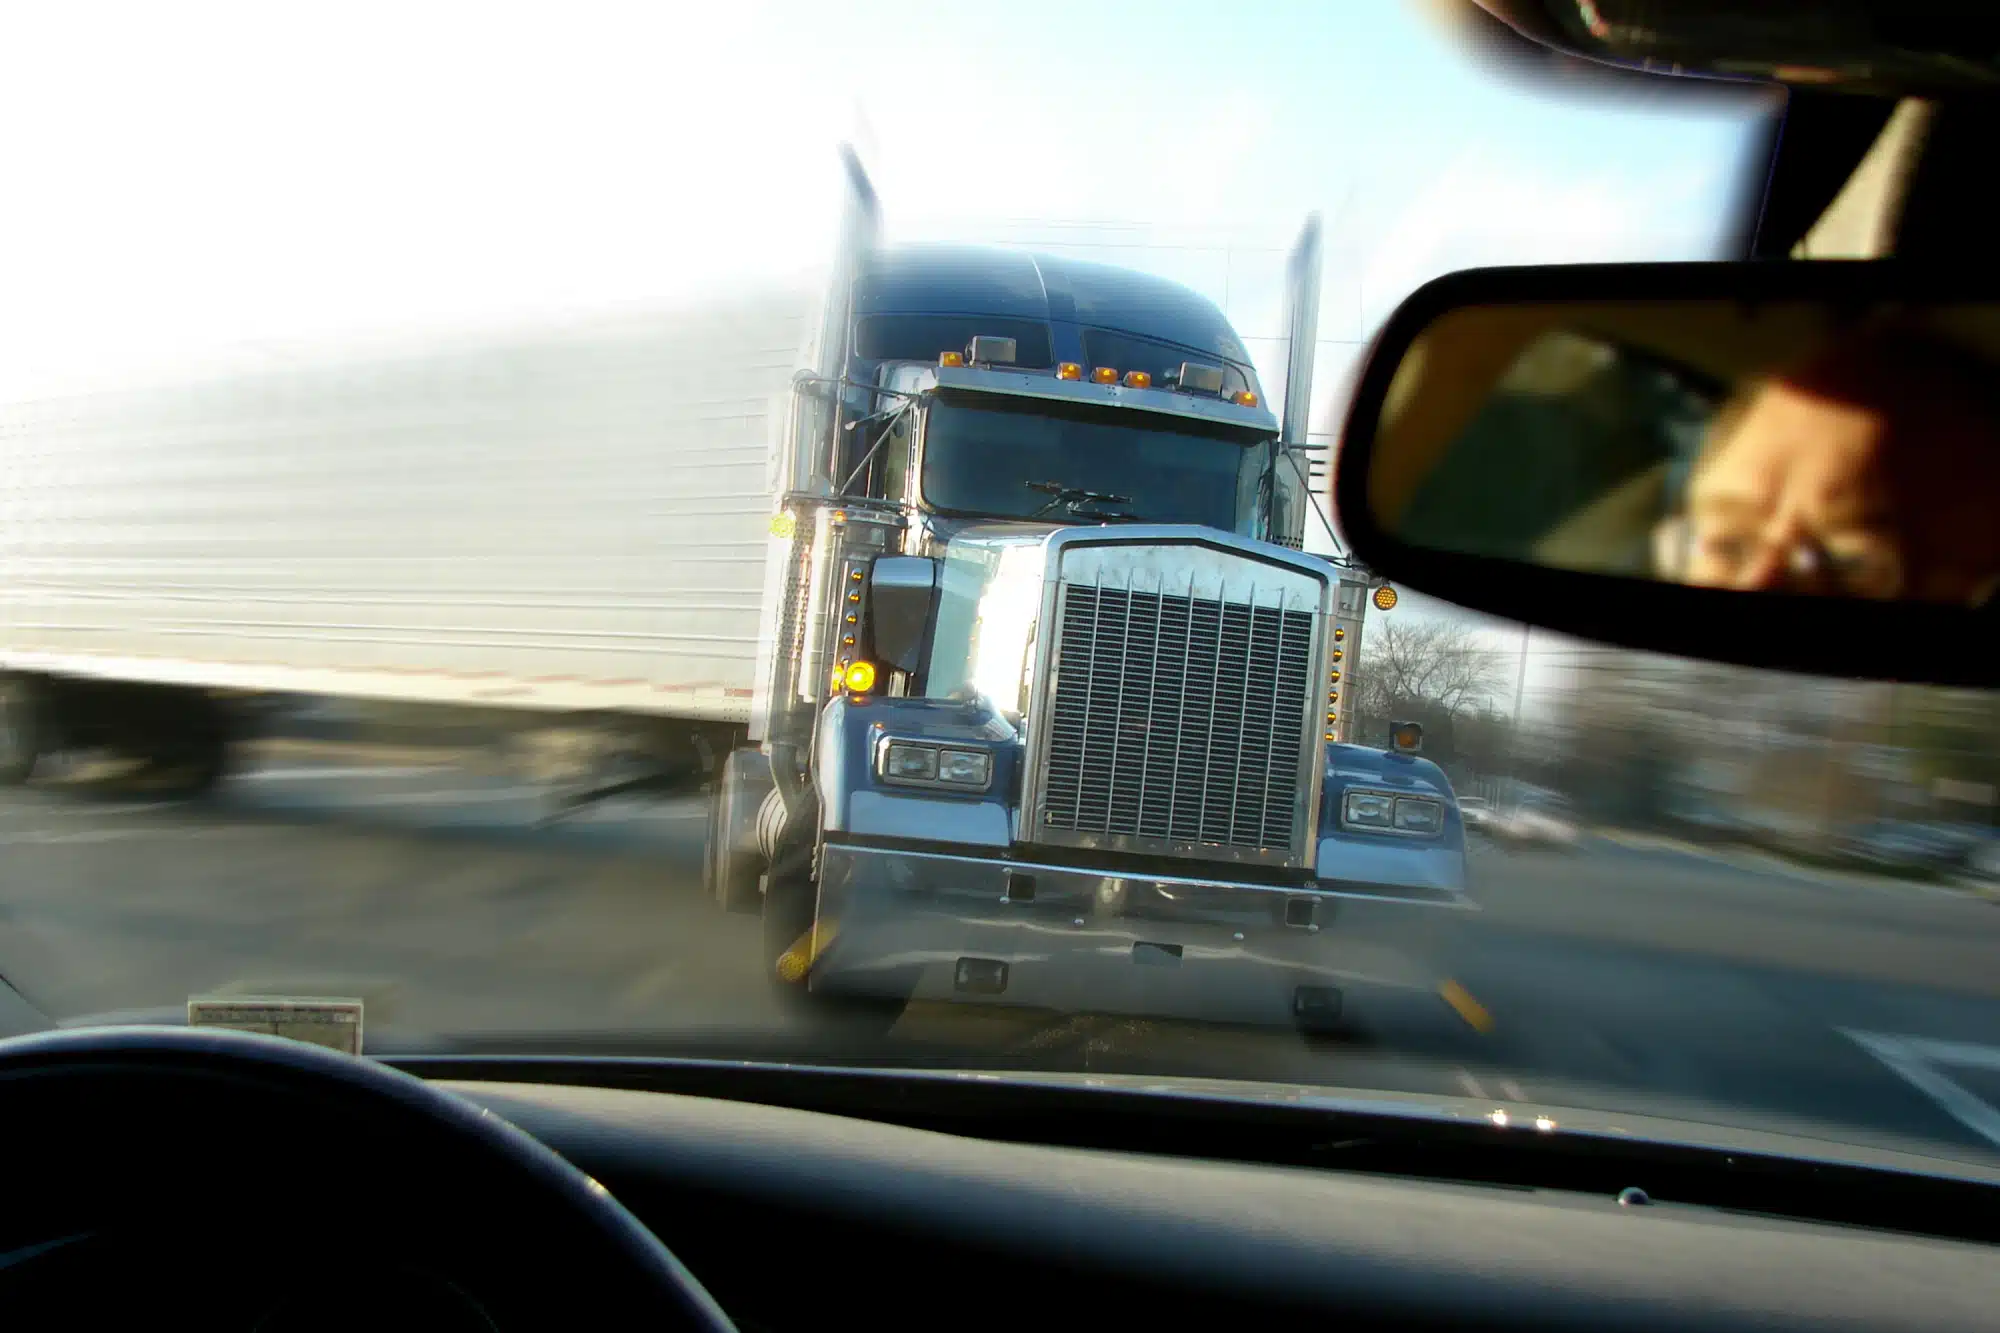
795,1217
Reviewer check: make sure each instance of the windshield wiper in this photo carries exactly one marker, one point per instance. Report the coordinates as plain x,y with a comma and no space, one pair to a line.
1071,496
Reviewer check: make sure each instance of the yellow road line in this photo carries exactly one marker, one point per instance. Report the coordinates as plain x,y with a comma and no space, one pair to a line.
1469,1009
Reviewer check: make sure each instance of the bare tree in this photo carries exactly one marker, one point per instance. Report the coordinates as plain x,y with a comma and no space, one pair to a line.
1426,666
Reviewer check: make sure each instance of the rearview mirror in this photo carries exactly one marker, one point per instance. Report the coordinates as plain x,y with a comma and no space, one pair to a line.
1786,464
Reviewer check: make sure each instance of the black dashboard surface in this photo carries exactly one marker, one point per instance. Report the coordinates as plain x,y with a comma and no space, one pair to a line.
795,1218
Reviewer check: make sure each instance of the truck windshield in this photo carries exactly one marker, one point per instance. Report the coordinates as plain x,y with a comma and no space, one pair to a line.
995,457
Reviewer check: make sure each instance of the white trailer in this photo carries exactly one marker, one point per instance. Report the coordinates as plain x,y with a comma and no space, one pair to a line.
574,519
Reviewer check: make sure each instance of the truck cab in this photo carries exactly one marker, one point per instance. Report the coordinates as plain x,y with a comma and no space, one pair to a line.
1156,401
1054,693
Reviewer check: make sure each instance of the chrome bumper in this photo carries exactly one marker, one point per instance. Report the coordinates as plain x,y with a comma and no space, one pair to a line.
927,926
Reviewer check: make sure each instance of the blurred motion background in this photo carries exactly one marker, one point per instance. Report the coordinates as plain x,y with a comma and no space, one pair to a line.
1823,771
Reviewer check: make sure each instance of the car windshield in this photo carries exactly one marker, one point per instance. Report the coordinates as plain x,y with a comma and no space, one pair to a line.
1032,458
483,539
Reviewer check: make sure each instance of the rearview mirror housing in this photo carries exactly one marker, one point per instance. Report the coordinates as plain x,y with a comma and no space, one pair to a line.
1478,356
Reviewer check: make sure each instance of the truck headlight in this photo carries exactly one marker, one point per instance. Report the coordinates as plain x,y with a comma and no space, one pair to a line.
965,768
915,764
909,763
1417,814
1369,809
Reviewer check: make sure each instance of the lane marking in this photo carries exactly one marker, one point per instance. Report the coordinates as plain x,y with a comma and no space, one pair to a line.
630,815
1472,1011
45,838
1756,861
1471,1085
337,772
490,796
1965,1054
650,986
1511,1090
39,809
1916,1061
50,838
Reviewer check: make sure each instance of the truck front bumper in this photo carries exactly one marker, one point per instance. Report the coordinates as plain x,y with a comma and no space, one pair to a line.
928,926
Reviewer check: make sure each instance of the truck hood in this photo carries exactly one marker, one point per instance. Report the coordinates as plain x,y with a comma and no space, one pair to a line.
1359,763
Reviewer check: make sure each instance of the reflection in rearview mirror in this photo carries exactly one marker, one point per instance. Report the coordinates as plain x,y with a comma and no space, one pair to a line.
1792,446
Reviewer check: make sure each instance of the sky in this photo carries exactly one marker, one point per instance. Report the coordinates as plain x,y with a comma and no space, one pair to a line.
196,181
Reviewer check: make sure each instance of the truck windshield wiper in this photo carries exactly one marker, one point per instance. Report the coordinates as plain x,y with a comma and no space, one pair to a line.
1071,496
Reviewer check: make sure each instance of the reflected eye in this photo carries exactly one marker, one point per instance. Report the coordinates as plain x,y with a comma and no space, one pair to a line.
1865,564
1728,548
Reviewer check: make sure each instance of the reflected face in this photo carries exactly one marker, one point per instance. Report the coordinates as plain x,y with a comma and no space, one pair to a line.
1795,496
1873,472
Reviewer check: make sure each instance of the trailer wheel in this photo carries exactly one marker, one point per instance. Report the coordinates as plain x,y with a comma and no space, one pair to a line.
21,728
192,756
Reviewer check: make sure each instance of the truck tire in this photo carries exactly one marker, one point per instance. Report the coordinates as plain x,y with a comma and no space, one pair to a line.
731,865
22,725
191,756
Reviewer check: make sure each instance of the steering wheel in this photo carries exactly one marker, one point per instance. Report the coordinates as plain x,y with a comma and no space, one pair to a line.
284,1168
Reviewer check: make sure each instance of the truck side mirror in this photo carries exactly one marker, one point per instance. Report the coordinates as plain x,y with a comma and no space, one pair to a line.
902,590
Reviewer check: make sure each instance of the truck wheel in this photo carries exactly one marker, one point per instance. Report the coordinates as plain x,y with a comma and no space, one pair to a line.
20,730
192,758
729,867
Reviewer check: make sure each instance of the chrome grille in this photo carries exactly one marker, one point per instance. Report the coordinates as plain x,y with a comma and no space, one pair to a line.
1177,718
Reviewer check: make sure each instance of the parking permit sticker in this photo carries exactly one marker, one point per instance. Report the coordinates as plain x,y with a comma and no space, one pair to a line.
333,1023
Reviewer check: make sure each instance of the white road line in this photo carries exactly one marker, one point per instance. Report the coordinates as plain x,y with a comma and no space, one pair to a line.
1916,1061
631,815
649,987
1470,1084
1964,1054
1755,861
489,796
1511,1090
49,838
92,808
334,773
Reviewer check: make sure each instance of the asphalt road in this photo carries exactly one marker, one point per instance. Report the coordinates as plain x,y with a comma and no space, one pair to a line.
1624,976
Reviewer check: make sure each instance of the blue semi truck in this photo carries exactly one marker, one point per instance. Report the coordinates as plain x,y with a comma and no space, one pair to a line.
1051,702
